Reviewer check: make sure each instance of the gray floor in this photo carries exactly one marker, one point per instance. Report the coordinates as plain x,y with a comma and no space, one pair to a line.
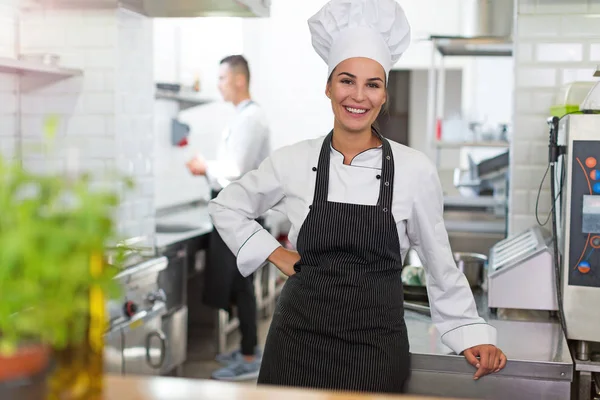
202,350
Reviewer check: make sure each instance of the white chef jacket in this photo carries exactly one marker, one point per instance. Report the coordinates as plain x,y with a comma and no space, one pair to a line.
244,144
285,182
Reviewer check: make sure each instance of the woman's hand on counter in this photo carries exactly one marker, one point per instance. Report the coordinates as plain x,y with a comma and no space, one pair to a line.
285,260
491,359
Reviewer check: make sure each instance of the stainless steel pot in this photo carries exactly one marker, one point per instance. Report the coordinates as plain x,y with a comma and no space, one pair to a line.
472,265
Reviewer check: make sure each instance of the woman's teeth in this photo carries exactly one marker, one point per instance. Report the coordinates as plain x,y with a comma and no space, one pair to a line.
356,110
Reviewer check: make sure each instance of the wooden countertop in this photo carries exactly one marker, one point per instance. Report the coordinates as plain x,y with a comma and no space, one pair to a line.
155,388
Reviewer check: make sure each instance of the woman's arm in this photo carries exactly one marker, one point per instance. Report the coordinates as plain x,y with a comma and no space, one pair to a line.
234,211
453,308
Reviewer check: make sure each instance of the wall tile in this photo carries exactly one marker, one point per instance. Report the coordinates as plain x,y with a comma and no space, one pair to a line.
520,202
559,52
7,124
539,152
90,125
524,176
544,204
538,26
594,6
562,6
587,26
519,223
8,103
108,44
520,152
8,83
527,6
534,101
99,103
524,52
536,77
595,52
541,101
530,127
580,74
8,143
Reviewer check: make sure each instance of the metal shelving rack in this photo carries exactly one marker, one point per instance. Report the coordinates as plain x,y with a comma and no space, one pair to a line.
185,100
32,76
457,46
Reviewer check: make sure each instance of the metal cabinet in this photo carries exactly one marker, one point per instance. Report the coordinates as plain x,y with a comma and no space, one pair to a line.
175,327
145,345
113,351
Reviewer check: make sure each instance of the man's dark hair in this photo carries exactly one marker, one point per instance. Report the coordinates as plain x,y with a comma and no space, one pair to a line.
239,64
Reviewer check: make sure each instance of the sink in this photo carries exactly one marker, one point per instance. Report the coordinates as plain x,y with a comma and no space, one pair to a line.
175,228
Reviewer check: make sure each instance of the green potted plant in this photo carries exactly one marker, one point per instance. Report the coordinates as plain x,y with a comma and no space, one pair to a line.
54,281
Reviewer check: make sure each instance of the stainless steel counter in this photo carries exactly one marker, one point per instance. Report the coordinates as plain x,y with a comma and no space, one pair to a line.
539,363
195,219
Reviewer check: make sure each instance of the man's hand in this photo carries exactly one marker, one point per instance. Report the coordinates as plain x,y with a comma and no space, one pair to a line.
491,359
197,166
285,260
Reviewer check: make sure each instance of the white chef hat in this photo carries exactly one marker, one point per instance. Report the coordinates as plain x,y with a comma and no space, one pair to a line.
375,29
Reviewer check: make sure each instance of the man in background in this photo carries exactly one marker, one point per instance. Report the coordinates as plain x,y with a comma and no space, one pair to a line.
244,145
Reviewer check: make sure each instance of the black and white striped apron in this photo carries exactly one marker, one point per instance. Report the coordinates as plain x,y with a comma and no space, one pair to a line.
339,322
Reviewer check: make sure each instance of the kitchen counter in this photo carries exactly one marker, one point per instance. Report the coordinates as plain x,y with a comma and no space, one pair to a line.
539,362
194,218
155,388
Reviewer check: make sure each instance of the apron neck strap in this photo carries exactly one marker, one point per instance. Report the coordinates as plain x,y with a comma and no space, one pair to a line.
387,173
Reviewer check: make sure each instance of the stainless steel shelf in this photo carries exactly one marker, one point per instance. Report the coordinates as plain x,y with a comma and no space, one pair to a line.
20,67
185,100
476,46
458,145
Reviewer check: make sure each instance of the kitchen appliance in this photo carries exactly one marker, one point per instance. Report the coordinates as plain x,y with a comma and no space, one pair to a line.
168,8
592,100
492,18
472,266
521,273
575,150
135,343
173,281
570,97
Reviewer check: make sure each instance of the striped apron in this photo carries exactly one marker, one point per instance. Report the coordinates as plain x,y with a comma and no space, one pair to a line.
339,322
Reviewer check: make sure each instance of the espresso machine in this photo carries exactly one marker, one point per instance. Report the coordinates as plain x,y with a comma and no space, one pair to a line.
576,188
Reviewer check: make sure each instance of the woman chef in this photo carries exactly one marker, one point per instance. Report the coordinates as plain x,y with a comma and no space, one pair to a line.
356,202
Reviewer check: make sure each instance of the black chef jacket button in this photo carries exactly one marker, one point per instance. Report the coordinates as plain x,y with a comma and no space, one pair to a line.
388,157
314,168
385,210
378,177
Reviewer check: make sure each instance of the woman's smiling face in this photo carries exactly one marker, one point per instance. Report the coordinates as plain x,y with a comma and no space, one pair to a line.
357,92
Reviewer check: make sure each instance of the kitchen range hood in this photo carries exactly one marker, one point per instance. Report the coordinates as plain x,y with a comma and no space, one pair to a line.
490,46
206,8
167,8
487,32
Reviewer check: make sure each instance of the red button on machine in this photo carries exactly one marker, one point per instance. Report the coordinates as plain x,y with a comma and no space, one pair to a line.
590,162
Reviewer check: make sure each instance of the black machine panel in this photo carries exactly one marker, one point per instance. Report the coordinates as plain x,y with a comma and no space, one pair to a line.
584,253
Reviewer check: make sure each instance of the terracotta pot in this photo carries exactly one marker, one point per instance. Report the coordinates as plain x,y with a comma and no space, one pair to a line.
27,362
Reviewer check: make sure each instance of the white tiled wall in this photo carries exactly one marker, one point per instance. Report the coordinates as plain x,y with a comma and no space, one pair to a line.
556,42
184,49
105,115
8,83
133,125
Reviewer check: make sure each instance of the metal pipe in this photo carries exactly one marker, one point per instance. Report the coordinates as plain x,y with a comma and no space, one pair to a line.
583,350
431,101
418,308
